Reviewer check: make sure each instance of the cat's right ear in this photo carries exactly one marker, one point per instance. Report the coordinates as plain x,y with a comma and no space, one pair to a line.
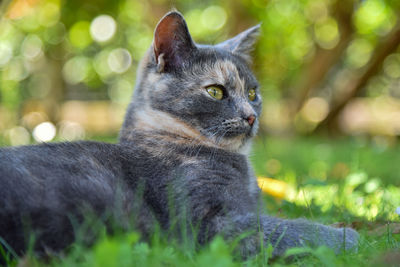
243,43
172,42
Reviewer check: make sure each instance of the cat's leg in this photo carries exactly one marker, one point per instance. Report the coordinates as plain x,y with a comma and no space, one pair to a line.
285,234
220,206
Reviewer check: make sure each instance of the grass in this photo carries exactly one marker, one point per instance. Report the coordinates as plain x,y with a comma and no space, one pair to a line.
349,181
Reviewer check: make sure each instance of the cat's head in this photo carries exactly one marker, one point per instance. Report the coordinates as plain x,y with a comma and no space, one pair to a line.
205,93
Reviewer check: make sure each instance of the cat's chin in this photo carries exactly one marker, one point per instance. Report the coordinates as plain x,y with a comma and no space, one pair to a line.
234,142
240,144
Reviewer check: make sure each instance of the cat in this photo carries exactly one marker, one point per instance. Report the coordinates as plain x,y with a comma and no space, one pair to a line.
180,164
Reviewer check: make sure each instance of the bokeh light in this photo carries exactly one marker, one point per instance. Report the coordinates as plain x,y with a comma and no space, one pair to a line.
79,35
101,65
76,69
315,109
16,70
317,11
32,47
103,28
372,185
18,136
213,17
391,66
286,8
71,131
119,60
374,16
358,53
44,132
5,53
327,33
34,118
49,14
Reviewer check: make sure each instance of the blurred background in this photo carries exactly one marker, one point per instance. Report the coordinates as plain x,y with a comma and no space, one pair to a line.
329,72
67,68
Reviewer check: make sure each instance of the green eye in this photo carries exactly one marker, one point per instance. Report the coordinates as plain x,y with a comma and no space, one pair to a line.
252,94
215,92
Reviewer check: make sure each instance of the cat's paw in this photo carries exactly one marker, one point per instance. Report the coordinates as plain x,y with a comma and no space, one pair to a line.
352,238
348,239
338,239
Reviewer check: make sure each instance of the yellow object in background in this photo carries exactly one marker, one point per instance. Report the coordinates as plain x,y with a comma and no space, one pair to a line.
273,187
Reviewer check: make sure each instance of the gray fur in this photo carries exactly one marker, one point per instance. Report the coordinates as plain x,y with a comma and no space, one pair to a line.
180,163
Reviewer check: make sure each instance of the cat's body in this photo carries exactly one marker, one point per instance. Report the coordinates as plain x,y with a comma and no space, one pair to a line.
113,178
181,161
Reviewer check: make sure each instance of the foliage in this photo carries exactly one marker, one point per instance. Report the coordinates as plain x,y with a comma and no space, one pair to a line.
338,177
127,250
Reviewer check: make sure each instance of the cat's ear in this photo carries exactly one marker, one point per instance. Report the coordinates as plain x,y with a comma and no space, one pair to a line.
242,44
172,42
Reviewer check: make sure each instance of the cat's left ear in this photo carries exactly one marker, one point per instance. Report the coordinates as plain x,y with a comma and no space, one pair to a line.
242,44
172,43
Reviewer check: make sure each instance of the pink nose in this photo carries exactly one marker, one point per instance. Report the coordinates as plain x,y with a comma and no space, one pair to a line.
251,119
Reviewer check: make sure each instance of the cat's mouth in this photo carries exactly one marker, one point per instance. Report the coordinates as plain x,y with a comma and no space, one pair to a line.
239,127
232,134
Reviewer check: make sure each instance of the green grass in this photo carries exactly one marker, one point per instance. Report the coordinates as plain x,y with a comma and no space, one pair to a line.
348,180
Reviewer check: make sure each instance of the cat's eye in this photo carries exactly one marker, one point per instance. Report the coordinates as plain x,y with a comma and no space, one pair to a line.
252,94
215,92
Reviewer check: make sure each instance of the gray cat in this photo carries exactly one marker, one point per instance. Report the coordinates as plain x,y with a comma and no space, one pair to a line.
180,164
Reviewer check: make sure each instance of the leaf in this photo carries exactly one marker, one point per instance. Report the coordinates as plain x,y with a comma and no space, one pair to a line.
311,181
324,254
298,251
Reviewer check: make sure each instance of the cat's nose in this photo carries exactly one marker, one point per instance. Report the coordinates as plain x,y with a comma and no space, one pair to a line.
250,119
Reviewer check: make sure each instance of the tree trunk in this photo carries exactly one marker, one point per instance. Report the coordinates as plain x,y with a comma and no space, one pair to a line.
324,59
354,87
